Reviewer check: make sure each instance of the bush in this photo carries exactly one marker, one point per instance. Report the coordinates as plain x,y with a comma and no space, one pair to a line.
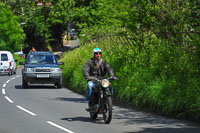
158,76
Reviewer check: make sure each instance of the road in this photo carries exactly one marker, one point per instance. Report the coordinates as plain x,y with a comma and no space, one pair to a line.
45,109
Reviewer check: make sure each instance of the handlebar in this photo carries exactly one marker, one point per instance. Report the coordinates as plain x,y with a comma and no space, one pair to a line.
96,79
112,78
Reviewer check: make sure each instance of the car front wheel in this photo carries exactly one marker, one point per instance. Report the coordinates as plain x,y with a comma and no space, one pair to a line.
24,83
59,84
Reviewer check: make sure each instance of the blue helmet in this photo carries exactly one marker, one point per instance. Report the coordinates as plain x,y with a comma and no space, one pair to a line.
96,50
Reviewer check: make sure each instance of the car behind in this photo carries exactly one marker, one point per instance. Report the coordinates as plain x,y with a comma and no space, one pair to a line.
41,68
7,63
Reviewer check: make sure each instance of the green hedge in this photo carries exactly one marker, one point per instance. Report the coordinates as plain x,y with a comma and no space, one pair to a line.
156,75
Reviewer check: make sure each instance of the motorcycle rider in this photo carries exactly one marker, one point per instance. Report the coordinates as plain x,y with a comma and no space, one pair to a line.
95,67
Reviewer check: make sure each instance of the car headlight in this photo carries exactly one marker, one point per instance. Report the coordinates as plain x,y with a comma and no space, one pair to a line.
55,70
29,69
105,83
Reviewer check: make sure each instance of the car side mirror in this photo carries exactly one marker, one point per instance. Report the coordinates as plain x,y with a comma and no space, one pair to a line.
21,63
61,63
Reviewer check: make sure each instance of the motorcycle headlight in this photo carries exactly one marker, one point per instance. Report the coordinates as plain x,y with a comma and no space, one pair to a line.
105,83
55,69
29,69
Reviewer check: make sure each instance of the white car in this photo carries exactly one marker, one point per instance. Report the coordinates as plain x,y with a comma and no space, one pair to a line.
7,63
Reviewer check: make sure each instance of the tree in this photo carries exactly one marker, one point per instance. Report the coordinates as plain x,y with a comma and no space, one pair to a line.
60,16
11,35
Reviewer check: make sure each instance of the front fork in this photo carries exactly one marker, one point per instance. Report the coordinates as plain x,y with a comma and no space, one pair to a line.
103,96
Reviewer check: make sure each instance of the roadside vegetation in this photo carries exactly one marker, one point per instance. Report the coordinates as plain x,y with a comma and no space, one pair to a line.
153,46
154,50
18,58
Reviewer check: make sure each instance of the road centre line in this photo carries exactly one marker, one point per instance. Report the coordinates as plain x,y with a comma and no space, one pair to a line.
60,127
3,91
7,81
31,113
13,78
25,110
9,100
18,76
4,85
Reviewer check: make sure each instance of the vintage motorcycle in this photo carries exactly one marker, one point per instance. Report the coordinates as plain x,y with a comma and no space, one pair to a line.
101,99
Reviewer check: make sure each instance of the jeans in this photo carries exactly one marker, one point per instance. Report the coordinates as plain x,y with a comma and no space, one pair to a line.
90,86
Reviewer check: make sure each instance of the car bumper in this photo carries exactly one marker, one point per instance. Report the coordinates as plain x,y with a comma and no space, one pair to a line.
36,78
4,70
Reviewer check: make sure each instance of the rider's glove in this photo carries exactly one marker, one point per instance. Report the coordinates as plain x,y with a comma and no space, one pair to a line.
113,78
90,78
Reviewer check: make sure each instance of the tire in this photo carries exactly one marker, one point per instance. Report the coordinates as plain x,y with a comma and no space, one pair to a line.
59,84
24,83
107,110
10,72
14,72
93,115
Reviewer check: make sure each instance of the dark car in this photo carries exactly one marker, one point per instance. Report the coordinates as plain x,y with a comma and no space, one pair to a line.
73,35
41,68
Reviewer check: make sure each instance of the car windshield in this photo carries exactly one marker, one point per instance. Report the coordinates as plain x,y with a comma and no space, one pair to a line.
41,59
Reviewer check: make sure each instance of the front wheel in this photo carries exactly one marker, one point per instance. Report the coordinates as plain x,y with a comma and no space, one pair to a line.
59,84
93,114
24,83
107,110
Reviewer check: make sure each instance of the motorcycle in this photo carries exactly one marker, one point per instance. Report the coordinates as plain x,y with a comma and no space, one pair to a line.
101,99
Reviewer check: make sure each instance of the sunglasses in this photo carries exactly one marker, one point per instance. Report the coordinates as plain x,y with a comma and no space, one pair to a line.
96,53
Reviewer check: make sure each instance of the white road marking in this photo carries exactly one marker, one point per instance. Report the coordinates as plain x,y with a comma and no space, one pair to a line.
7,81
18,76
13,78
60,127
4,85
25,110
3,91
9,100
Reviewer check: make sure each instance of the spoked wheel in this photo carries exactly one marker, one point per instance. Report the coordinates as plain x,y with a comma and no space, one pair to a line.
93,114
107,110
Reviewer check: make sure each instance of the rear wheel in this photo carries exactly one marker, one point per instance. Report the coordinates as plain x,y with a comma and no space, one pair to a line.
107,110
10,72
14,72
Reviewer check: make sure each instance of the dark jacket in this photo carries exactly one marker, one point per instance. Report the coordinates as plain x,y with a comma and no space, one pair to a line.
91,69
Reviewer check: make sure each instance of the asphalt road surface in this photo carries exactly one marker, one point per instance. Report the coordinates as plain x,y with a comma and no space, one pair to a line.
45,109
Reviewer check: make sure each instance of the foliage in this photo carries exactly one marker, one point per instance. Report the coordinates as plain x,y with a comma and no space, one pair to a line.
153,46
11,35
60,16
155,56
18,59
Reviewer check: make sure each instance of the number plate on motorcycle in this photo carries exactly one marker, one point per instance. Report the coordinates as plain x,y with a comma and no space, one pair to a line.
42,75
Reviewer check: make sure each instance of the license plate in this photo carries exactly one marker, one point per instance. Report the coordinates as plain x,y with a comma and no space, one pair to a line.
42,75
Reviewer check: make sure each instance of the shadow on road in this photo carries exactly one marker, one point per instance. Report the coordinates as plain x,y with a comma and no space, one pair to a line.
4,74
151,123
36,87
166,130
77,100
99,120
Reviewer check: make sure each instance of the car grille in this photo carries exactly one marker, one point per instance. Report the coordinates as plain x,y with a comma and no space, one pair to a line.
42,70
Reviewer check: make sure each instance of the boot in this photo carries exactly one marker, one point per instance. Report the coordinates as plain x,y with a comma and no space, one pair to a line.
90,107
